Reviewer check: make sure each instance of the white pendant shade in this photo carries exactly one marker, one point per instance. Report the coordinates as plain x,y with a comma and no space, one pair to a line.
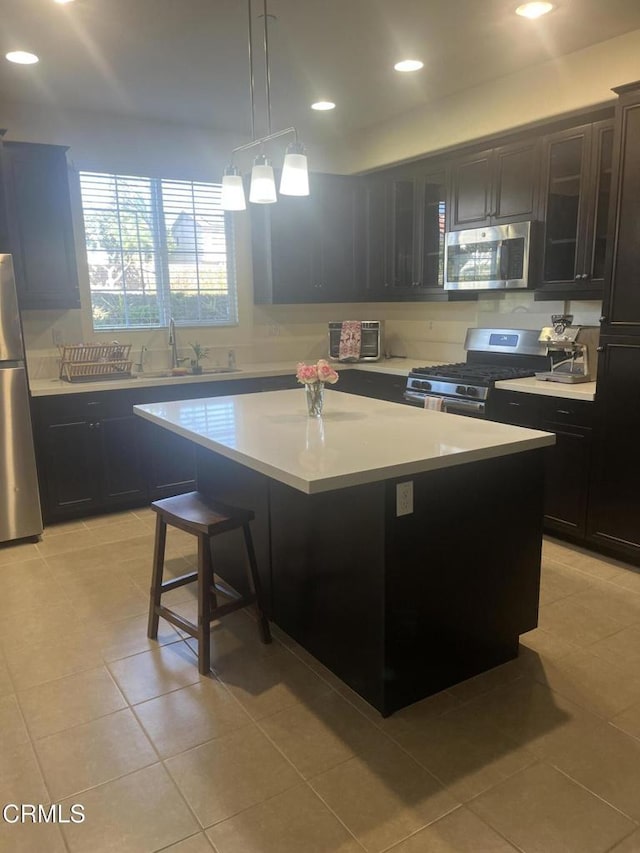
263,185
232,193
295,175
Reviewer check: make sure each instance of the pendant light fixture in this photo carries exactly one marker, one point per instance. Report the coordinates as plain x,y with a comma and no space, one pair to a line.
295,175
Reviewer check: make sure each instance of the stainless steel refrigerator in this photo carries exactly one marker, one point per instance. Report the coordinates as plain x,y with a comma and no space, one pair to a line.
19,497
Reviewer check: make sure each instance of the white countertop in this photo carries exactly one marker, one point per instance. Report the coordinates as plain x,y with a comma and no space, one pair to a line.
581,391
358,440
52,387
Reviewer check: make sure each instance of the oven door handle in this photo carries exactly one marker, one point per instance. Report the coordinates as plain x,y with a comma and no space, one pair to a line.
458,406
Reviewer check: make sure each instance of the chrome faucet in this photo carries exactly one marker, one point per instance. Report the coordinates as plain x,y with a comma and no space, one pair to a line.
173,343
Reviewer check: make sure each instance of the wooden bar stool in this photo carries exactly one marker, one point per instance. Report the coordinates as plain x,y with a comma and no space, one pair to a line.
195,513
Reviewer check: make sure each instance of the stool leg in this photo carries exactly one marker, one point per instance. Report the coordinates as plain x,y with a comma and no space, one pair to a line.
156,577
255,585
205,579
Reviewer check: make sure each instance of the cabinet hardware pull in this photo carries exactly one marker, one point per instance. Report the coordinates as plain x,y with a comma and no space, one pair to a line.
578,277
563,411
514,404
600,348
603,319
91,426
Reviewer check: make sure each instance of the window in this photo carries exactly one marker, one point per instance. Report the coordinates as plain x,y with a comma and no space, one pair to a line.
157,249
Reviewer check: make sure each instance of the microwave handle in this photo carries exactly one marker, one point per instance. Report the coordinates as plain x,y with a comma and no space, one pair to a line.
503,259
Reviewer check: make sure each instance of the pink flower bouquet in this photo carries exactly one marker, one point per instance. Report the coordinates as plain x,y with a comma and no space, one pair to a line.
322,371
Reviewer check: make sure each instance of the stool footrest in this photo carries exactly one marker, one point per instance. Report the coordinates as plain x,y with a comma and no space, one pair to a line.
223,609
181,581
176,620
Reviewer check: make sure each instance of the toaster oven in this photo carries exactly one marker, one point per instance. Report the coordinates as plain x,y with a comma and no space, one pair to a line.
371,341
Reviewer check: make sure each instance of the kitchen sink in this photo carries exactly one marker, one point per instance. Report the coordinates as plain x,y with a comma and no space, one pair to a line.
162,374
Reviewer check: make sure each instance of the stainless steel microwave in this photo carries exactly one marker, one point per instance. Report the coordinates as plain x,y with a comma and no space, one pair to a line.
493,258
371,341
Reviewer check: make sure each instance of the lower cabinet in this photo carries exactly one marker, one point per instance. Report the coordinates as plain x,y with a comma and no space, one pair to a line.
568,462
380,386
95,455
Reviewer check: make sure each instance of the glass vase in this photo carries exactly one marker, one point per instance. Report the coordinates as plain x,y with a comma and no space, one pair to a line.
315,398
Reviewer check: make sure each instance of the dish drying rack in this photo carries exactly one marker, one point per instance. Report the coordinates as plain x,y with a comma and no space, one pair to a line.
94,362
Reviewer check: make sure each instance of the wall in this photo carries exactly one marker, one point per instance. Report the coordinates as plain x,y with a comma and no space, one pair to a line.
431,331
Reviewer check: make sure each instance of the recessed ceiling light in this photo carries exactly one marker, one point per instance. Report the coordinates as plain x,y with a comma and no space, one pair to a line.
323,105
409,65
61,2
534,10
22,57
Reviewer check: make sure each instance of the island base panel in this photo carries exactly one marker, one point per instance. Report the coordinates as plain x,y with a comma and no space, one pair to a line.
403,607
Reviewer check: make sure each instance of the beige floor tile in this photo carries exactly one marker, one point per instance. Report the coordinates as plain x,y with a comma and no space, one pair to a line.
321,734
533,716
191,716
20,777
558,581
269,684
486,681
541,811
31,838
631,844
98,558
110,601
153,673
67,702
128,637
575,622
546,644
584,561
292,822
465,752
628,578
12,727
63,654
367,710
93,753
383,796
112,518
458,832
629,721
6,685
600,686
196,844
623,646
416,717
605,599
604,760
77,540
18,553
234,636
230,774
37,624
140,812
62,527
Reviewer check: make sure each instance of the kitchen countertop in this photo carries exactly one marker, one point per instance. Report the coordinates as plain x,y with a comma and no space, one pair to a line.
51,387
358,440
581,391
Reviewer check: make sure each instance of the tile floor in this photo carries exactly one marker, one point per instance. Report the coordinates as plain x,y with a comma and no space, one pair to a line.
274,754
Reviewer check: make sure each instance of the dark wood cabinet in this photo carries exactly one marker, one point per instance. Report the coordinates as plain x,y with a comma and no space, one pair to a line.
402,232
304,249
567,463
495,186
365,383
575,205
40,225
621,303
614,507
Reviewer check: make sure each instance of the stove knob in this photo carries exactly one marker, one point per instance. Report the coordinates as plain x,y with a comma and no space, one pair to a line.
461,389
472,392
425,386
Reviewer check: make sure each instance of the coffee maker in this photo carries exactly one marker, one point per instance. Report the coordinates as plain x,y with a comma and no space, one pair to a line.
573,350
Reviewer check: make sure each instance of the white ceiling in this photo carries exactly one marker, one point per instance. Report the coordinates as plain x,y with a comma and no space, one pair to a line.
186,60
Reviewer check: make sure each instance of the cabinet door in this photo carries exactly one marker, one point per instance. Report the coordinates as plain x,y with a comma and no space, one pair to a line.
599,204
67,464
372,277
471,191
515,182
335,277
567,479
402,234
621,305
119,452
40,224
171,463
614,499
432,230
293,249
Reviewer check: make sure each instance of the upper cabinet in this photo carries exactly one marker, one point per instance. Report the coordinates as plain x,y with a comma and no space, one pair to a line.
621,303
575,204
36,181
402,232
495,186
304,248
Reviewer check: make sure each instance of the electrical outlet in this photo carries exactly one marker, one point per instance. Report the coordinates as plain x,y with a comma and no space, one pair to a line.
404,498
274,331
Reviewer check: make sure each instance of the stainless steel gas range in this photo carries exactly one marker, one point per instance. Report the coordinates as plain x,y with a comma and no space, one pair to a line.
492,355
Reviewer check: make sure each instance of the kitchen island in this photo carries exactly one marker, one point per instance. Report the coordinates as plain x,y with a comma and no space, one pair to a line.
401,547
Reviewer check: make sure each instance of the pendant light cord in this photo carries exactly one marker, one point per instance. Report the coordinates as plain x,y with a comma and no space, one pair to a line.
267,66
251,76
